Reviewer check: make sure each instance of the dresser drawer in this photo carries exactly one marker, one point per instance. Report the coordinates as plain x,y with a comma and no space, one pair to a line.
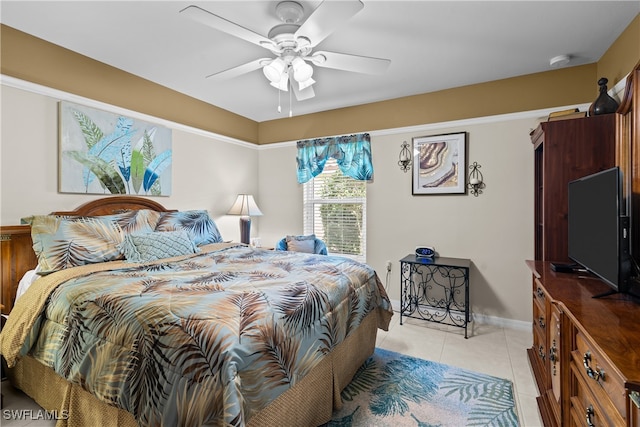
540,320
598,373
540,348
539,294
588,409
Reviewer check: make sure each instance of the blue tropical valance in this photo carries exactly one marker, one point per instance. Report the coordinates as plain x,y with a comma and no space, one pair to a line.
352,153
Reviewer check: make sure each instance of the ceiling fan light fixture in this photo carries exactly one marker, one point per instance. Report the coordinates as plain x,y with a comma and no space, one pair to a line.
274,70
306,83
301,70
283,84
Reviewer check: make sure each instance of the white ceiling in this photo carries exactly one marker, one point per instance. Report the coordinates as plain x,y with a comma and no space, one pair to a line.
432,45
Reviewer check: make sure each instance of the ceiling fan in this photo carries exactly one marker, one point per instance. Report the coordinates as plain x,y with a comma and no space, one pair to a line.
292,43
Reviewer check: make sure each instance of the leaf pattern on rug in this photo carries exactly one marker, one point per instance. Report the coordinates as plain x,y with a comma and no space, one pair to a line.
391,389
423,424
405,379
494,394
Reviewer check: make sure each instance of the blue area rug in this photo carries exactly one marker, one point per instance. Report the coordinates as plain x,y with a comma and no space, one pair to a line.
392,389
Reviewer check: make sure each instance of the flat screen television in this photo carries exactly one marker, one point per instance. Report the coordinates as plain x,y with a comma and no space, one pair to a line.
598,233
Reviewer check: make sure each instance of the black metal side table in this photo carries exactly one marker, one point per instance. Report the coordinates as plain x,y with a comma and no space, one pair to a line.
435,289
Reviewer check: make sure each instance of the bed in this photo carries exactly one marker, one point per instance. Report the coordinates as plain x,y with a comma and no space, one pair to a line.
187,331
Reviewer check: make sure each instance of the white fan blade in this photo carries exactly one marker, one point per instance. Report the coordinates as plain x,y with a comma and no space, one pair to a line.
240,69
347,62
327,18
301,95
226,26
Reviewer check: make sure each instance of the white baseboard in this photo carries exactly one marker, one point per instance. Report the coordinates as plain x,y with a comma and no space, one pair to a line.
485,320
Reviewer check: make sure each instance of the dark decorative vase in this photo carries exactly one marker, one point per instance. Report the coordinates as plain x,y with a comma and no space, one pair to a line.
604,104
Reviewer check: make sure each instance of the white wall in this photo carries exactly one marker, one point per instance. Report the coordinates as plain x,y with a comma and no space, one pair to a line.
207,172
494,230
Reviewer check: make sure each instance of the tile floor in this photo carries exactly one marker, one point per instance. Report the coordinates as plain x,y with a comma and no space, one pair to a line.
490,349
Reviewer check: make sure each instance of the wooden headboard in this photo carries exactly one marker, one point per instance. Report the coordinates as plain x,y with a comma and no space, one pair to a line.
16,246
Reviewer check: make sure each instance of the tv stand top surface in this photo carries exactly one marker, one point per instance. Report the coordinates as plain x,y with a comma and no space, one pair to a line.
612,321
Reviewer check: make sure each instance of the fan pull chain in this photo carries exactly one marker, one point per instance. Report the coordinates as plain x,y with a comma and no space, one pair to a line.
290,104
279,107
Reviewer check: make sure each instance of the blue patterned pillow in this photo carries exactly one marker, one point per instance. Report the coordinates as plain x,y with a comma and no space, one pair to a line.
197,223
63,242
157,245
136,221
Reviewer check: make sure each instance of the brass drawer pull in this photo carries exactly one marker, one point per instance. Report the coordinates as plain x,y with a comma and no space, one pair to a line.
590,414
553,357
541,353
539,293
553,352
541,322
592,373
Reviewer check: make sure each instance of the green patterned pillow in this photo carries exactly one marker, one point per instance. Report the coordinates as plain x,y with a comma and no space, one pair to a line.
157,245
197,223
63,242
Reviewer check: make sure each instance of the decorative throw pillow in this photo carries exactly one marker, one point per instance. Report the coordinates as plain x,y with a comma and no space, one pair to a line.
63,242
157,245
301,243
131,221
136,221
197,223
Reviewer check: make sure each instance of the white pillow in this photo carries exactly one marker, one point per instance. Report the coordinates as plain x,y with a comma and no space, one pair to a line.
302,243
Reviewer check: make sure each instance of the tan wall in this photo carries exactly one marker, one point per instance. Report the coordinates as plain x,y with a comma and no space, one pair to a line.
574,85
38,61
207,172
622,56
532,92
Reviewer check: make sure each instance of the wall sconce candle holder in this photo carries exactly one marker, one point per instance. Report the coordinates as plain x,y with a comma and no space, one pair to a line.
404,159
476,180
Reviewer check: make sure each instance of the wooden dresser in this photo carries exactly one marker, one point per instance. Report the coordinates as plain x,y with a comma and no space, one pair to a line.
586,353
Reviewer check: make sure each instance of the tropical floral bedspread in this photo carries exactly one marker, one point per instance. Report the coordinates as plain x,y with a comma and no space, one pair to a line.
210,338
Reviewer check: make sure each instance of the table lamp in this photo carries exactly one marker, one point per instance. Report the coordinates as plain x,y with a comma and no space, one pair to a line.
246,207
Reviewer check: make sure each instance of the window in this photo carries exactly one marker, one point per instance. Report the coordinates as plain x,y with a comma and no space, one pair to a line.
335,211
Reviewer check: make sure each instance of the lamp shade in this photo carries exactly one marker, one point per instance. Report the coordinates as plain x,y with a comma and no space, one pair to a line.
245,205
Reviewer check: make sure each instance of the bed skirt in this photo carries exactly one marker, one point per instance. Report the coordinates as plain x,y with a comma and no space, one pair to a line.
310,402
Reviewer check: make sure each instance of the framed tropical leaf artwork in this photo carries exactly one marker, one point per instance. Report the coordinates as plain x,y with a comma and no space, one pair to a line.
107,153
